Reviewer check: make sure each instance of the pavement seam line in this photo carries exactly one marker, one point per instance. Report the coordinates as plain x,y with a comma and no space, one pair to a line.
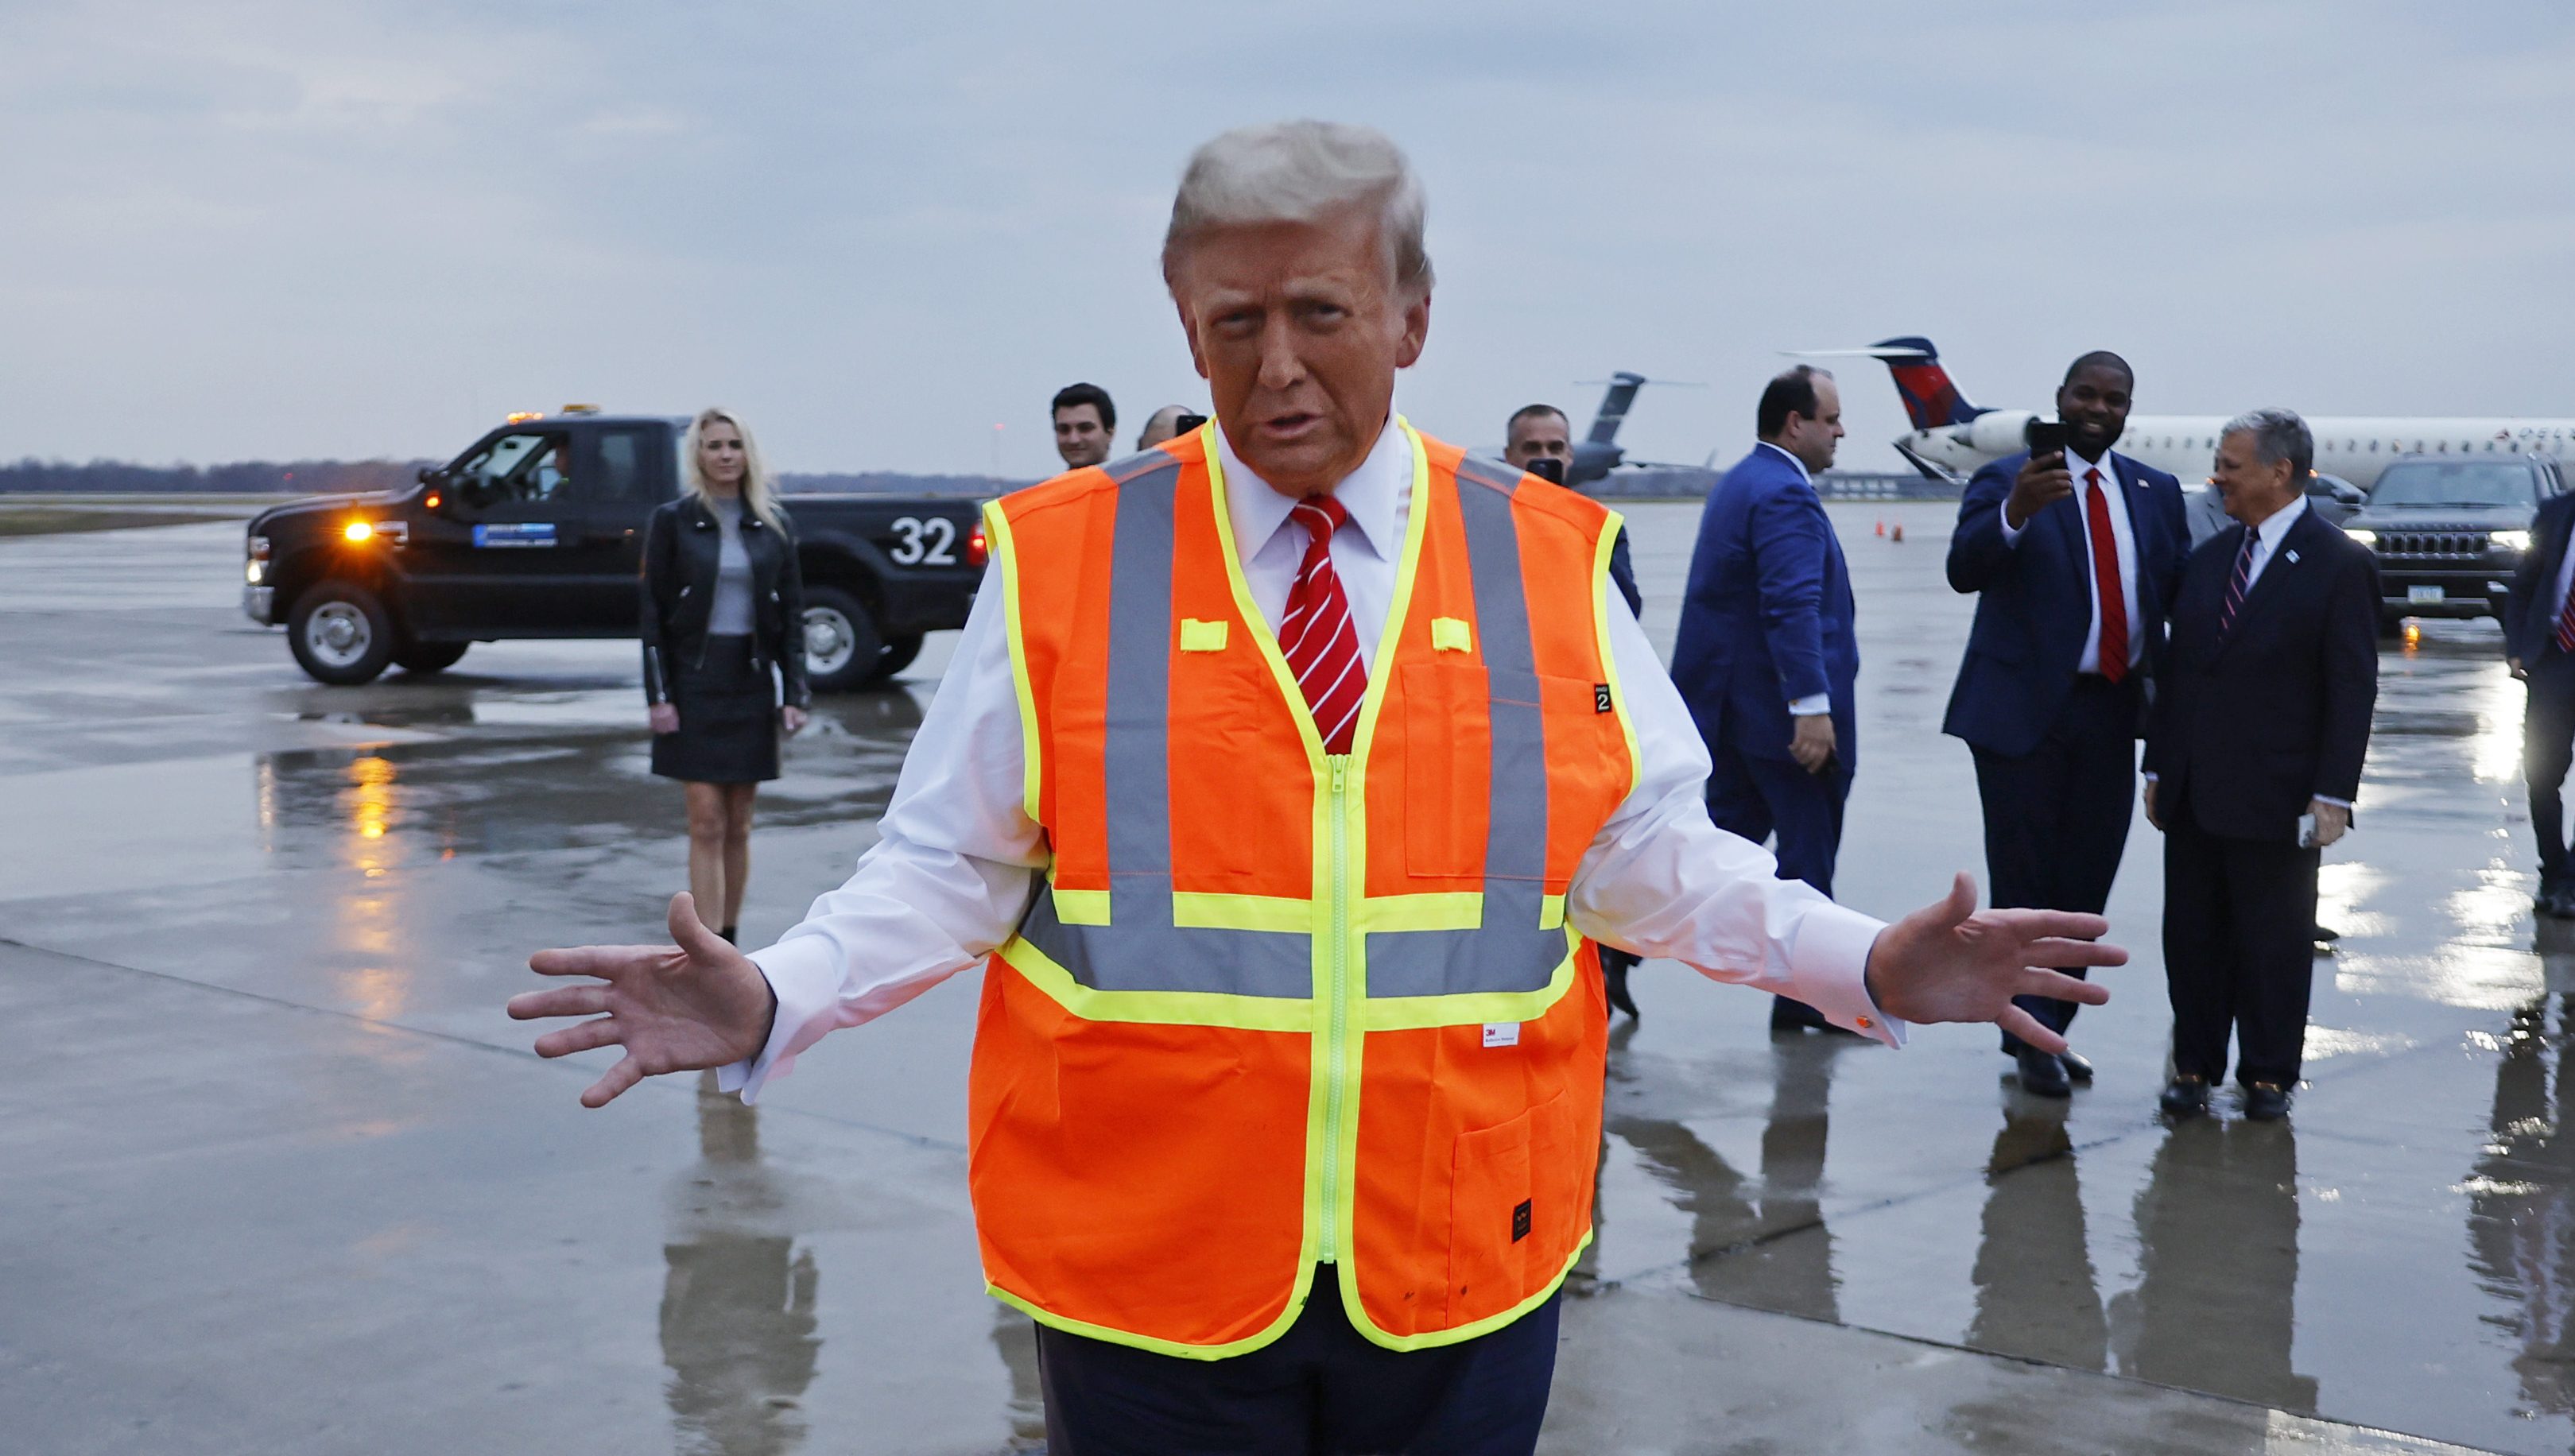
939,1144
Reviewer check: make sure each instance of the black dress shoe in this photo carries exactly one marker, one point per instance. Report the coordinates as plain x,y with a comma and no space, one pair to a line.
2077,1066
1787,1014
2327,934
2187,1097
2264,1102
2042,1076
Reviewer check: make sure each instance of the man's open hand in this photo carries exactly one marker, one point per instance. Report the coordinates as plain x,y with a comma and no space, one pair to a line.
699,1003
1952,962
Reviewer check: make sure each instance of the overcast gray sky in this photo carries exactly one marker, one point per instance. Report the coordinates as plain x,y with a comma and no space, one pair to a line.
327,228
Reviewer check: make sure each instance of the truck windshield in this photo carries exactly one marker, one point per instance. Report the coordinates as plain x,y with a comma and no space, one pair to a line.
531,467
2465,483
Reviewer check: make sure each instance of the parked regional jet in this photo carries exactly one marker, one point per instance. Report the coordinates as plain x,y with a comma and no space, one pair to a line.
1951,438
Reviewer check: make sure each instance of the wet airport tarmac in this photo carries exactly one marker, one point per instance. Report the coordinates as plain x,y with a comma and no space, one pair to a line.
281,1177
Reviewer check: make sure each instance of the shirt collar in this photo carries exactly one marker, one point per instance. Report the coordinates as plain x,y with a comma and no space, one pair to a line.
1373,493
2277,524
1793,459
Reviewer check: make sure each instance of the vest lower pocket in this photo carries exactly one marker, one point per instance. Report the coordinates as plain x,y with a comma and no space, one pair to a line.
1511,1209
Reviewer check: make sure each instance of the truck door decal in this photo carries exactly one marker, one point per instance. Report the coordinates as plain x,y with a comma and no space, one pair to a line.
514,534
930,543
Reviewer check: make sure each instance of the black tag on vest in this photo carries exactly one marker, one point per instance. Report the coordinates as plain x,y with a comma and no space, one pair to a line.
1520,1221
1600,697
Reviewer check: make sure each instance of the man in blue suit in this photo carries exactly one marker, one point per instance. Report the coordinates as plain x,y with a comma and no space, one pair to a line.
2075,556
1765,657
2539,643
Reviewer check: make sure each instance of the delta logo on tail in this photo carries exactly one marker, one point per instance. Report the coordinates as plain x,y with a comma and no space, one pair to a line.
1931,399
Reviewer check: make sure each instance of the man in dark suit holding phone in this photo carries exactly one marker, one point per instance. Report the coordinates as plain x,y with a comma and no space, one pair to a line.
1765,656
2253,758
2074,552
2539,643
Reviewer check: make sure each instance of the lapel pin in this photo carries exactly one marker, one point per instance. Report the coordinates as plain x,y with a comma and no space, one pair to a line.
2293,558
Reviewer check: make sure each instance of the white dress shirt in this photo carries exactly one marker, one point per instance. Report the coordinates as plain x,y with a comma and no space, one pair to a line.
957,858
2266,540
2122,533
1813,702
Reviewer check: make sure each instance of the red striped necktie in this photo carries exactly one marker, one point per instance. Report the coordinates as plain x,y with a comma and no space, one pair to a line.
1321,640
2566,626
2237,585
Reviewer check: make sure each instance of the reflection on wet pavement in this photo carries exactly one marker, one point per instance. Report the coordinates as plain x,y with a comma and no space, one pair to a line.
179,800
738,1307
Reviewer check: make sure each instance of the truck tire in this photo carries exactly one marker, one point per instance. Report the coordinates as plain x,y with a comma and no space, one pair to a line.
429,657
842,648
340,633
899,654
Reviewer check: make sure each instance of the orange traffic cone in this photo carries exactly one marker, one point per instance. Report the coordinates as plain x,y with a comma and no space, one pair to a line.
1881,528
1899,531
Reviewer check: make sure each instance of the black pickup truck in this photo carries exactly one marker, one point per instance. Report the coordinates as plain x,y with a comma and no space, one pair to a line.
538,532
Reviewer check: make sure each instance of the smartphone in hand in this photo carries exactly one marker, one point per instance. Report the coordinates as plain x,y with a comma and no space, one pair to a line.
2306,831
2045,436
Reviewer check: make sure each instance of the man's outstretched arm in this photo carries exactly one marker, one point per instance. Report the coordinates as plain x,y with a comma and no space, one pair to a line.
947,881
1661,879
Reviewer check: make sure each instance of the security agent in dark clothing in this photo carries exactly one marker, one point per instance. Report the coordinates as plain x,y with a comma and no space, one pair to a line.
2253,758
1539,439
2075,554
2539,642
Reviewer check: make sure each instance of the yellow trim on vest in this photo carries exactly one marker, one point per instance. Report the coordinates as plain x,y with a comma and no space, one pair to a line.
1450,634
1601,609
1082,907
1296,1305
1434,1339
1405,1013
1005,553
1162,1008
1201,637
1194,911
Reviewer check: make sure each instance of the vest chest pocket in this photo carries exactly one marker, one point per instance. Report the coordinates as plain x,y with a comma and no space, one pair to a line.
1448,743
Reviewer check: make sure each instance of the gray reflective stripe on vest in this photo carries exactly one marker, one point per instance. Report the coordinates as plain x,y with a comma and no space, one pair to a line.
1139,950
1509,952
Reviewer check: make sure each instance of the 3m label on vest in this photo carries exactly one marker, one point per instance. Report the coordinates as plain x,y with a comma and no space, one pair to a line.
1600,697
1520,1221
1501,1034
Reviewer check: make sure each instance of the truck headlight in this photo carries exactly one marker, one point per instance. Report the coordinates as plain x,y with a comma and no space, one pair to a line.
2512,541
254,564
2363,535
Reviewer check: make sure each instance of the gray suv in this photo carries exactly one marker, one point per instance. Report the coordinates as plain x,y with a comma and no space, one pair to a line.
2448,532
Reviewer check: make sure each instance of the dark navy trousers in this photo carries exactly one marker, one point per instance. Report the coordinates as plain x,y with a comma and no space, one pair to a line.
1757,798
1320,1389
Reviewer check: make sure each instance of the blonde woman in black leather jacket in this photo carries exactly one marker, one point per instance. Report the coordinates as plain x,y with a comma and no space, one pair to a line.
724,628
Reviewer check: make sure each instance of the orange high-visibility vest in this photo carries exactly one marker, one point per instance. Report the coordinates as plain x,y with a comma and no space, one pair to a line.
1272,1007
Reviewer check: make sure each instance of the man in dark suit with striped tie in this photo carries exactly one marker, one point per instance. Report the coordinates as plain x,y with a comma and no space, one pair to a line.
2539,642
2253,758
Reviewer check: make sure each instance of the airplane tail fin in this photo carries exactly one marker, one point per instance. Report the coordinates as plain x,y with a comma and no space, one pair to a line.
1931,399
1613,406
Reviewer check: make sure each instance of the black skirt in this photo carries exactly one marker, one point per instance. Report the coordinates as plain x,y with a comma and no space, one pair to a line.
728,718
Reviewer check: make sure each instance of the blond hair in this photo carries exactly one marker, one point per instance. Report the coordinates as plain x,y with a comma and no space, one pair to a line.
759,490
1300,172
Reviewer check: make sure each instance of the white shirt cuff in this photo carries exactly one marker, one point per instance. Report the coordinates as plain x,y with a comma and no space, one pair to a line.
807,984
1810,705
2011,532
1829,964
2328,799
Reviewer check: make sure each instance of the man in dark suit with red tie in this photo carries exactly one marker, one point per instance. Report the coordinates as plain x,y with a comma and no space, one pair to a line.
2253,758
2539,642
2074,555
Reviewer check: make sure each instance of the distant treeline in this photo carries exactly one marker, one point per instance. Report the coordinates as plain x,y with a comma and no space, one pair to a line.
349,476
253,476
